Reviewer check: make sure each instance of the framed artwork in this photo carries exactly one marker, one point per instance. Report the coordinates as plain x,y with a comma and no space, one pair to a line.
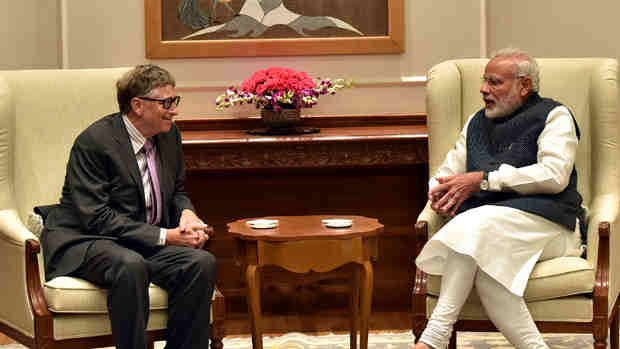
248,28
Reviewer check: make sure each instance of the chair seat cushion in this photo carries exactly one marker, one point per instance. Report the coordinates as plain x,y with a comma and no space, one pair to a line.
66,294
550,279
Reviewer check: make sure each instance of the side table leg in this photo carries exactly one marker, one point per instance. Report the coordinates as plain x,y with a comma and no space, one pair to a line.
253,282
354,305
366,302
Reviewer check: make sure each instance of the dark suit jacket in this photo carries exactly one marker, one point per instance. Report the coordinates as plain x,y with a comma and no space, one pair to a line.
103,196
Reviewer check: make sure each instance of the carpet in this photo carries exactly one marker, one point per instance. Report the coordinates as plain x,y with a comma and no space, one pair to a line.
400,340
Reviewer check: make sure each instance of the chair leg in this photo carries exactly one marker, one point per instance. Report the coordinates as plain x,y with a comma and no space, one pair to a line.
419,323
613,331
452,344
600,334
217,335
216,343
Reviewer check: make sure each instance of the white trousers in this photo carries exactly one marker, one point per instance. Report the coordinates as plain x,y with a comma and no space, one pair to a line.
505,309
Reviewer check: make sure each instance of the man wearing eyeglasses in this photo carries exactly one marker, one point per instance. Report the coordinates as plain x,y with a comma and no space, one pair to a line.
124,219
510,188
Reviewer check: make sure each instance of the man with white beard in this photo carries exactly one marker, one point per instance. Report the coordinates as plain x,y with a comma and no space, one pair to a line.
510,188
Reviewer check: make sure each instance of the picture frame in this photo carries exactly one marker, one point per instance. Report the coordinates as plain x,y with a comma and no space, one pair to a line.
158,48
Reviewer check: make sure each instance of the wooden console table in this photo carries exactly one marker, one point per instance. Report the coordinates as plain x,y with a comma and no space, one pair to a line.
303,244
373,166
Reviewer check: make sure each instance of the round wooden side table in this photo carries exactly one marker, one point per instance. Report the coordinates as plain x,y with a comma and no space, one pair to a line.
302,244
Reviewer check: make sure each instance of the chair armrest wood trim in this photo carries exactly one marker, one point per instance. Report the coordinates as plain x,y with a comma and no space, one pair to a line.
418,296
43,326
219,306
601,320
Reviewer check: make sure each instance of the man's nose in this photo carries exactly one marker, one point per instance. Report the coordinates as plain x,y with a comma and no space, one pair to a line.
174,109
484,88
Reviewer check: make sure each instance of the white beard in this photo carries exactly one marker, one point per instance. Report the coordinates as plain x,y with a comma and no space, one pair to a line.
505,106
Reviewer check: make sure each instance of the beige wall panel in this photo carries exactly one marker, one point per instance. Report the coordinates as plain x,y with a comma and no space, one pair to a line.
439,30
29,34
556,28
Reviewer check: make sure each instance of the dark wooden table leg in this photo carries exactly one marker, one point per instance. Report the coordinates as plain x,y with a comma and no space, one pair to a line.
354,304
253,282
366,302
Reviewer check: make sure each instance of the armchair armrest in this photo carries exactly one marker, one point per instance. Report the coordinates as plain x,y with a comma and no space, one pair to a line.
20,249
603,238
428,224
432,219
12,229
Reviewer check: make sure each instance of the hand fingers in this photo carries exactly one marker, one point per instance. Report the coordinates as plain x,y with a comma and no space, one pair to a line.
195,240
447,203
455,207
445,179
203,239
439,189
445,199
196,226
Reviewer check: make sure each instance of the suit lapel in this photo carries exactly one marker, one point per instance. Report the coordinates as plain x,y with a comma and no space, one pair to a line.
125,150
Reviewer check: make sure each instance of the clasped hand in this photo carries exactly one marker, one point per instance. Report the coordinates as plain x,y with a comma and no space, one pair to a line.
447,196
191,232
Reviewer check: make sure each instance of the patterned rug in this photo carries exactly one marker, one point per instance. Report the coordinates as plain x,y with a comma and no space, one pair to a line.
400,340
403,340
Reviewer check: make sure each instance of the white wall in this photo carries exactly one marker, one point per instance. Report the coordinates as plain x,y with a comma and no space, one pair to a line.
556,28
29,34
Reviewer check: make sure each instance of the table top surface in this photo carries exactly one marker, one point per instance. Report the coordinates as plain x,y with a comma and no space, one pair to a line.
293,228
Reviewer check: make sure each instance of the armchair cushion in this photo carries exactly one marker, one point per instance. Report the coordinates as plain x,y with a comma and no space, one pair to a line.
66,294
550,279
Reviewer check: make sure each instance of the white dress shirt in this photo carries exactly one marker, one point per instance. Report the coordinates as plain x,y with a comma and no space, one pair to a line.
137,143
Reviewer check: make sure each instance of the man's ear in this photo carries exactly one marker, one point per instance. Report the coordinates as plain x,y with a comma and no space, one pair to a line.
526,86
136,105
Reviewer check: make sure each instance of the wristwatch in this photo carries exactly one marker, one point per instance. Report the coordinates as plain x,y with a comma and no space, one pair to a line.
484,184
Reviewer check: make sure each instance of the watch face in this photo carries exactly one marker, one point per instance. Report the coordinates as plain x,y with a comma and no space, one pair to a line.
484,185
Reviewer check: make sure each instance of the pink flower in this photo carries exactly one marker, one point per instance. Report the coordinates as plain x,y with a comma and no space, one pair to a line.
278,87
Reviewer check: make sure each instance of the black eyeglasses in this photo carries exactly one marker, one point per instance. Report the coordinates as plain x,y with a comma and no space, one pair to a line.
165,102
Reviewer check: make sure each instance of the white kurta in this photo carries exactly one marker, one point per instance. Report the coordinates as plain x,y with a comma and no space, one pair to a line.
507,242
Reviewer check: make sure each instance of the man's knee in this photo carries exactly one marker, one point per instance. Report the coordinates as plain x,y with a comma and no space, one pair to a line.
208,263
132,267
204,263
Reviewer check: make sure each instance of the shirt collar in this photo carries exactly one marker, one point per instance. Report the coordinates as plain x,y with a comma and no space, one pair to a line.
136,138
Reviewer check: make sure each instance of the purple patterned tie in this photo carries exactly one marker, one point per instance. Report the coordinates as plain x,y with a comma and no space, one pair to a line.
156,199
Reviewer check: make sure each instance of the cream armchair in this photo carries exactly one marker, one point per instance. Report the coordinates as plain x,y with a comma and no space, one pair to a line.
564,295
41,112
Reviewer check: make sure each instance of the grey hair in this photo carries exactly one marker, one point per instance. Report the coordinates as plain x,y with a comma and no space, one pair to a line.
526,66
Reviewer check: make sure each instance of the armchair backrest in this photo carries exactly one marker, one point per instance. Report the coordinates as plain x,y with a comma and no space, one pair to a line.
587,86
41,113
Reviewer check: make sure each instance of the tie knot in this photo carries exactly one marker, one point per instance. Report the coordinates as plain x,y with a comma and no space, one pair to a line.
148,145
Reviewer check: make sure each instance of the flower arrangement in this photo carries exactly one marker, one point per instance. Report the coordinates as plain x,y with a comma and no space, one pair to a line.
279,88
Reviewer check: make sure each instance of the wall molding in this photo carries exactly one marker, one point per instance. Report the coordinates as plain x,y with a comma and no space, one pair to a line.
64,34
484,38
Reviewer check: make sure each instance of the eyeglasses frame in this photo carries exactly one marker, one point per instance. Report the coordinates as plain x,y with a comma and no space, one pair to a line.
166,103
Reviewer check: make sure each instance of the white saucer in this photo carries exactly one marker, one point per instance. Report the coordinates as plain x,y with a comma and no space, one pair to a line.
338,222
263,223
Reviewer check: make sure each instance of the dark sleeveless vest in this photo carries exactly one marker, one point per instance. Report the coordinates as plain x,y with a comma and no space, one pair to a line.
513,140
